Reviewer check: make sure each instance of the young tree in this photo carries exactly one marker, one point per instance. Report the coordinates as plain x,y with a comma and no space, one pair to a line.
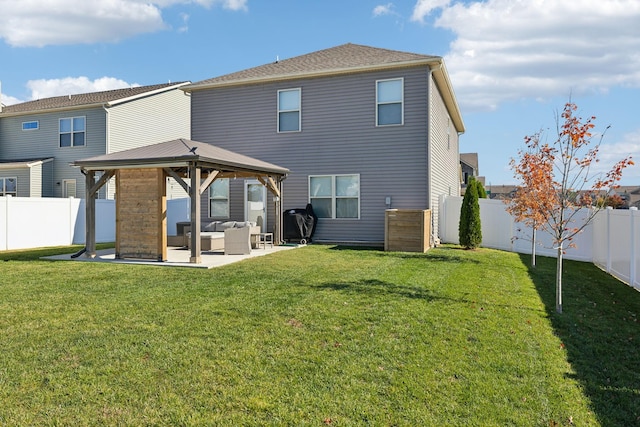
482,193
535,197
557,180
470,229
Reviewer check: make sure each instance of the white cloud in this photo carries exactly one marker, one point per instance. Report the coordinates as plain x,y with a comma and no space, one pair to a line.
506,50
225,4
9,100
423,8
610,154
73,85
383,9
185,23
60,22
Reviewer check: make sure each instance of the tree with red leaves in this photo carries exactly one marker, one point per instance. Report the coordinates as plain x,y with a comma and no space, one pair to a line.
556,181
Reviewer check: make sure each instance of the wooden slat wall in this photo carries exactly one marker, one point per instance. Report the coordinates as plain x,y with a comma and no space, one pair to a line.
407,230
141,214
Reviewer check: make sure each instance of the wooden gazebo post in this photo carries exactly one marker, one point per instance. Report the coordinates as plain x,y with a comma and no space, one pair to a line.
91,190
90,215
195,173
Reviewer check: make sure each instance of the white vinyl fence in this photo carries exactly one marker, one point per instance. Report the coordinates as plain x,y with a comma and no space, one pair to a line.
611,240
29,222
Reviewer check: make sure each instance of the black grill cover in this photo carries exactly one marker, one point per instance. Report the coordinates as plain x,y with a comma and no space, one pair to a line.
299,224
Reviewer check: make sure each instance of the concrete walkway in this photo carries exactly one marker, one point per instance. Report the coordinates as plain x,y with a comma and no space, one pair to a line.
176,257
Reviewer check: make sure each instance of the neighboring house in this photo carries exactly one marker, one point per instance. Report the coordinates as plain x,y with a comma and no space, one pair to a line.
501,192
469,168
361,129
39,139
630,195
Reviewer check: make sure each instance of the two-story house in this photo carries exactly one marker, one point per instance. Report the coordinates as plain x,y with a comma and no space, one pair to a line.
361,129
39,139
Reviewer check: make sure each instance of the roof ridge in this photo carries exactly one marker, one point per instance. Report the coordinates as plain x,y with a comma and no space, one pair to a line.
85,98
341,58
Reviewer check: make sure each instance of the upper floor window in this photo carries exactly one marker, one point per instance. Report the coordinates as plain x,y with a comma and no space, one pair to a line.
8,187
72,132
289,111
219,198
34,125
335,196
389,102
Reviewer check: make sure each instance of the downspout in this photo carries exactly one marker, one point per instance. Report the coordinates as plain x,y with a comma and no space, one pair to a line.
432,237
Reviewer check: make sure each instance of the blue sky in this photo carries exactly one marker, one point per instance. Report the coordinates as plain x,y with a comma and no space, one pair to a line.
513,63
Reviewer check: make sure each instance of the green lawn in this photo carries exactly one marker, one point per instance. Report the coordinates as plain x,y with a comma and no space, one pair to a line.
317,336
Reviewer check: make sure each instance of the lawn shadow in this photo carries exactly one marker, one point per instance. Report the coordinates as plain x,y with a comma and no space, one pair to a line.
599,330
430,255
375,287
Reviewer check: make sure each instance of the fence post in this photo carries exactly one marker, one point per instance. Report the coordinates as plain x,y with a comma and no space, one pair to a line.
6,218
632,258
442,218
609,210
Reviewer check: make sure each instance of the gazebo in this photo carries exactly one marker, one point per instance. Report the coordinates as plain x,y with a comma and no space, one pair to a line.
141,174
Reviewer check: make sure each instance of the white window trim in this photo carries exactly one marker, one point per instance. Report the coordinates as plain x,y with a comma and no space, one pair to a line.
333,194
72,132
29,129
228,200
401,79
2,192
299,110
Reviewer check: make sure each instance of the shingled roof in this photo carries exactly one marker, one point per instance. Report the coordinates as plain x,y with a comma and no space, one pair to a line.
109,97
336,60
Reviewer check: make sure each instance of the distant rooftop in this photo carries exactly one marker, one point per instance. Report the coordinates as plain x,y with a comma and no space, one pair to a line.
86,99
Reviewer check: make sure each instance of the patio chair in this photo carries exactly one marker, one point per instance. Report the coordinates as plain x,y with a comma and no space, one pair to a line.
237,241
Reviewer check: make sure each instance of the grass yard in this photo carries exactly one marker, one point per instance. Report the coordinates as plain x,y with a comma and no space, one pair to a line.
317,336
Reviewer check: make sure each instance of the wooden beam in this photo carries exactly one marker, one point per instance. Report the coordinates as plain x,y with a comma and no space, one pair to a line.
207,182
195,171
106,176
237,174
270,184
178,179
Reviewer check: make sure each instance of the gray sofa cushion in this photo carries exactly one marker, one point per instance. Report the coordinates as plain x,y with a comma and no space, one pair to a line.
209,226
221,226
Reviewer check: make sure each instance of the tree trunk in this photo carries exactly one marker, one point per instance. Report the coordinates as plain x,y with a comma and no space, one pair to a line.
559,280
533,247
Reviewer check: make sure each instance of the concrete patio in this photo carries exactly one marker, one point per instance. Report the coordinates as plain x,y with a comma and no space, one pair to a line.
176,257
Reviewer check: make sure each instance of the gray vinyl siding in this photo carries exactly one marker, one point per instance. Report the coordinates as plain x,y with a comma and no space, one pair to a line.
445,155
23,178
149,120
44,142
35,181
339,136
47,179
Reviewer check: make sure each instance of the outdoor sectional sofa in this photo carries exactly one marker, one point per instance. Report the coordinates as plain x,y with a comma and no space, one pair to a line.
234,237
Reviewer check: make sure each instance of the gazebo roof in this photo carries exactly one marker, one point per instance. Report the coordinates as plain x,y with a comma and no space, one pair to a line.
178,153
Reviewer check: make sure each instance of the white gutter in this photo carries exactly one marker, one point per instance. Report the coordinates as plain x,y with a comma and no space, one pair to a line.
311,74
24,164
144,94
